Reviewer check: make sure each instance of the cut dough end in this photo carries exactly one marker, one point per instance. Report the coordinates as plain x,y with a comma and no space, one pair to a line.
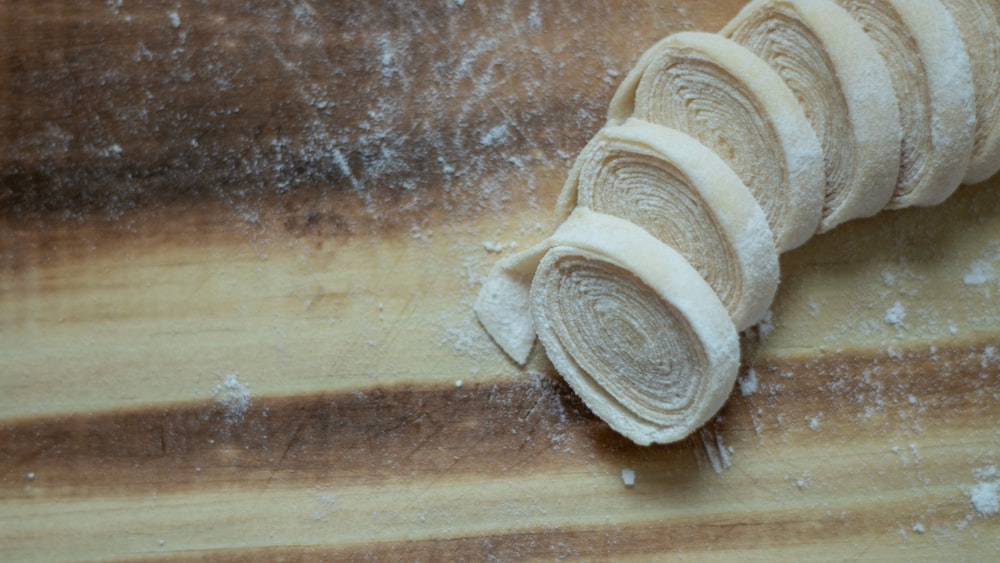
633,328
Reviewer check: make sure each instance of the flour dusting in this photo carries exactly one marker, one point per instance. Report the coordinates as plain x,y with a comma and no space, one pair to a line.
980,273
985,494
895,315
748,383
234,396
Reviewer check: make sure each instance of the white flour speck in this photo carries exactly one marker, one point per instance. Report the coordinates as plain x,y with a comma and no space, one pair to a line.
985,495
234,397
495,136
985,498
980,273
748,383
895,315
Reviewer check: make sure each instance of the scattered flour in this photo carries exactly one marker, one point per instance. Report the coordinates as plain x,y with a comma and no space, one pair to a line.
990,356
985,498
748,383
814,422
888,278
468,339
981,272
495,136
498,247
985,495
763,329
628,477
766,326
234,397
895,315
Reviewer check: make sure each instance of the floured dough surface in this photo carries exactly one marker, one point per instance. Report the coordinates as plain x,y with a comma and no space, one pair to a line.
633,328
735,104
930,72
683,194
979,23
845,89
721,151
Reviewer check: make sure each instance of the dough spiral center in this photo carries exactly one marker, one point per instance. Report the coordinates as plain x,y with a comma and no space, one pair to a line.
620,333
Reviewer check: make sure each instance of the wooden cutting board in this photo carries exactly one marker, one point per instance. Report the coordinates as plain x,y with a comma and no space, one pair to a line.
239,242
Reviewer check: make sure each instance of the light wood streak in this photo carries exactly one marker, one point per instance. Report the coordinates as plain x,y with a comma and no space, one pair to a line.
340,314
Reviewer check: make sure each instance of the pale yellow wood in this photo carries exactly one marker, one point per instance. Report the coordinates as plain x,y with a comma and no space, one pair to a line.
862,441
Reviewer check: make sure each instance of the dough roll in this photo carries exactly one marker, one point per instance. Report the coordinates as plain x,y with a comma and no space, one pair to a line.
732,102
930,72
630,325
979,23
683,194
840,79
634,329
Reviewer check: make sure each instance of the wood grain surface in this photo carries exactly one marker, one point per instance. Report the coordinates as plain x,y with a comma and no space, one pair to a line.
239,243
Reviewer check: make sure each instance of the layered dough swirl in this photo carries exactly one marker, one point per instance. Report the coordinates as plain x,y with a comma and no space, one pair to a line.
721,151
978,21
843,84
930,73
732,102
685,195
633,328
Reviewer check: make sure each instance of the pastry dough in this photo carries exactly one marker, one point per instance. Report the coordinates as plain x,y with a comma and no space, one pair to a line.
662,253
844,87
732,102
979,23
686,196
630,325
930,71
633,328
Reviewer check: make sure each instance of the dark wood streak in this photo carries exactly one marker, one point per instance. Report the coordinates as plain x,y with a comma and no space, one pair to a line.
486,430
334,116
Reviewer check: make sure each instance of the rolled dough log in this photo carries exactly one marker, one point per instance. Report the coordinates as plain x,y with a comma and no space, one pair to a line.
731,101
930,72
687,197
844,87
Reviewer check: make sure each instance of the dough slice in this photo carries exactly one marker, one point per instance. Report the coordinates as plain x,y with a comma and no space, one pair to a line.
930,72
633,328
979,23
842,82
683,194
732,102
503,305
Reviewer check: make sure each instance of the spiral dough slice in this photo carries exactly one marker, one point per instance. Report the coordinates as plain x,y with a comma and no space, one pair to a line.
734,103
683,194
842,82
633,328
930,71
979,23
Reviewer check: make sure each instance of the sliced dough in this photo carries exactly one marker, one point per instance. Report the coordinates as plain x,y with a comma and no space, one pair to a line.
633,328
930,72
503,306
686,196
979,23
841,81
732,102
